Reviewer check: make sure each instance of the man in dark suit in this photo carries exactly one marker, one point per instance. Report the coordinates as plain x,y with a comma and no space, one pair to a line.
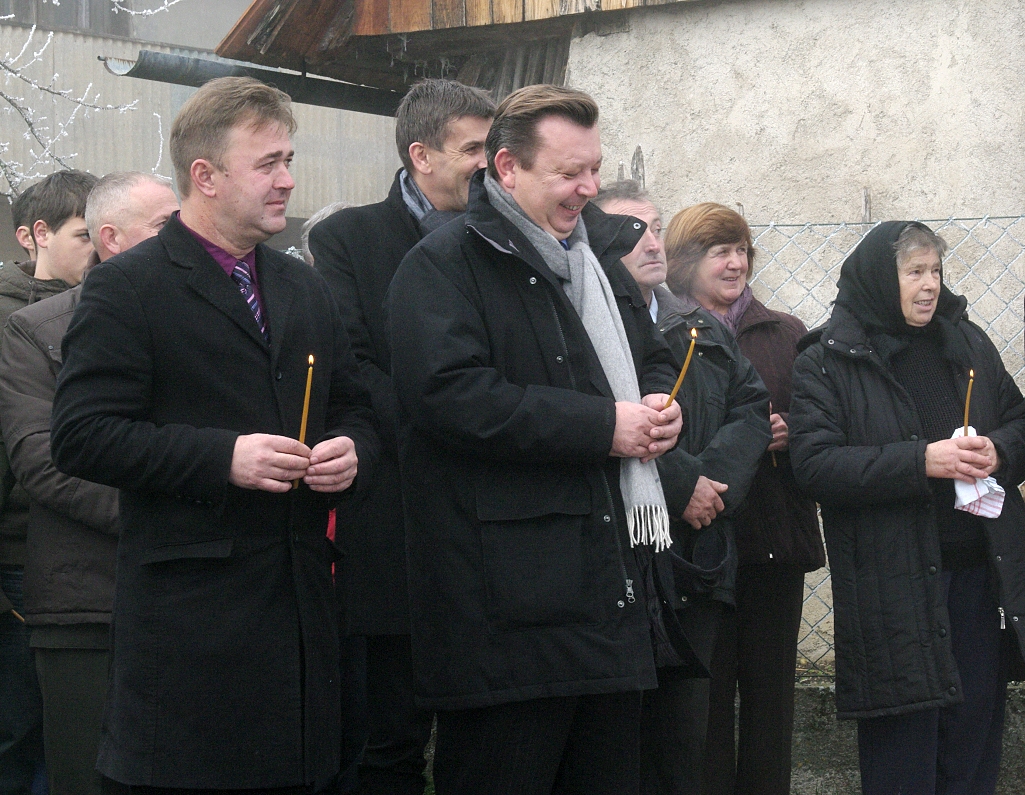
185,370
440,129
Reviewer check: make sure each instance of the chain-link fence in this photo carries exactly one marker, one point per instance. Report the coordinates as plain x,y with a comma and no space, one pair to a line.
796,270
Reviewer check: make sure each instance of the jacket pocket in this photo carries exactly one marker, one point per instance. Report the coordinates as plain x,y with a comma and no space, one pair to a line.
542,551
213,548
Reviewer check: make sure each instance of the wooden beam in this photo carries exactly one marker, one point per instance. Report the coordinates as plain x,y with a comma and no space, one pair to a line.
408,16
449,14
478,12
540,9
506,11
371,18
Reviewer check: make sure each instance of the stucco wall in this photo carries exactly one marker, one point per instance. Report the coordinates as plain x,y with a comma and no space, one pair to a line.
793,107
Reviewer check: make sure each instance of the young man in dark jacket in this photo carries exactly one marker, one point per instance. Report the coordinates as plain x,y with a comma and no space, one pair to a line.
72,532
59,253
440,129
531,385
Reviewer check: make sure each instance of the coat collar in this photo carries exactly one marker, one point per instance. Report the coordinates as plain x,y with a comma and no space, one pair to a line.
398,205
756,314
610,236
208,280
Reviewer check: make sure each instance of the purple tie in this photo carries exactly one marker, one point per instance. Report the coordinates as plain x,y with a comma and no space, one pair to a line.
244,279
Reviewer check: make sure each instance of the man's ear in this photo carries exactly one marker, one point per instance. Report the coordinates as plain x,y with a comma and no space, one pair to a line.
202,173
24,237
506,166
109,239
418,154
41,234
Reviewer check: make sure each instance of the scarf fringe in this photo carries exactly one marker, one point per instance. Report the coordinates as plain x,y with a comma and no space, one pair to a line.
649,525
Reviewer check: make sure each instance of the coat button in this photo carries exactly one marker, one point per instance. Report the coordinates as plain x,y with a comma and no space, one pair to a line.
914,437
683,598
999,558
559,359
607,518
621,603
1014,618
532,280
942,633
277,375
829,342
952,691
636,225
932,569
853,351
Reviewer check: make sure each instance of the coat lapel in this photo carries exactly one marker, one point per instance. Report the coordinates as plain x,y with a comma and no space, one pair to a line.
207,278
277,289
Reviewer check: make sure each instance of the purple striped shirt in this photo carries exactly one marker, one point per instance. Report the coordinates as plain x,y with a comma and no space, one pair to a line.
227,262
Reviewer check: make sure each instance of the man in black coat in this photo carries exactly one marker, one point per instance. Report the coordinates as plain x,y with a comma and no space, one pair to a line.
531,385
184,385
439,129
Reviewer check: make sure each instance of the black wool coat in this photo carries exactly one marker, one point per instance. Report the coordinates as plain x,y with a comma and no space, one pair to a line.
225,656
522,581
358,250
857,447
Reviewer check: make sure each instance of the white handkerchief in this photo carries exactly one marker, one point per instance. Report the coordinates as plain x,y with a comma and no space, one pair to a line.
984,497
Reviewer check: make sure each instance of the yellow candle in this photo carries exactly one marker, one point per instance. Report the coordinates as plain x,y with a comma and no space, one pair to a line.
306,411
683,372
968,399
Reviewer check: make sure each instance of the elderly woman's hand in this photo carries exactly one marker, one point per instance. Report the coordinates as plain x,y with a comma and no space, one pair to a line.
964,458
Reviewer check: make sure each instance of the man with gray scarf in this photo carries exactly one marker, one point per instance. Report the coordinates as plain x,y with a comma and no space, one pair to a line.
532,391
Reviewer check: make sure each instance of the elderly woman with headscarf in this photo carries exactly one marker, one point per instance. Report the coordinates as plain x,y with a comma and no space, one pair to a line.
929,600
710,256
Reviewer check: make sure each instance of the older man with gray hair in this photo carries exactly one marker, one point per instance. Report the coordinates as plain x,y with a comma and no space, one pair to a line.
72,533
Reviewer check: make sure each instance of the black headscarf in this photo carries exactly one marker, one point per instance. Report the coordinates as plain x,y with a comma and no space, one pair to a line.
869,289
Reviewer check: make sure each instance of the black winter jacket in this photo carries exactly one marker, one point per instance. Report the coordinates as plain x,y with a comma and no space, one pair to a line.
522,581
727,430
358,250
858,448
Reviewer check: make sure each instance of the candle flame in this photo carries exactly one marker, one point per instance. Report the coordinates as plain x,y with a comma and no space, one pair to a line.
694,333
311,360
971,374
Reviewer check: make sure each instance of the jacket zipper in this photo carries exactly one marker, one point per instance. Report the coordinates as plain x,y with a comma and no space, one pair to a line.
619,543
1002,624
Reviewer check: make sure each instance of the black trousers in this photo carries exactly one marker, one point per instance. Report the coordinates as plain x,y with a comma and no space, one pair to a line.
756,651
398,731
582,745
674,717
74,687
955,750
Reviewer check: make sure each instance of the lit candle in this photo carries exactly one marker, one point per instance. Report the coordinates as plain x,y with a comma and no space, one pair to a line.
683,372
968,399
306,411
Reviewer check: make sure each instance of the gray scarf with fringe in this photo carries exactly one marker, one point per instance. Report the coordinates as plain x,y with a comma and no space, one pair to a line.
588,289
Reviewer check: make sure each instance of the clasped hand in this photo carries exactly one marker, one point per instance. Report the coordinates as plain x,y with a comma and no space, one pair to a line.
964,458
645,430
270,463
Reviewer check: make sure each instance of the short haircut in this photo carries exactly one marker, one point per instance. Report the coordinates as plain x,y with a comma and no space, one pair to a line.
21,208
430,106
516,120
60,197
693,231
312,221
918,236
201,128
110,201
626,190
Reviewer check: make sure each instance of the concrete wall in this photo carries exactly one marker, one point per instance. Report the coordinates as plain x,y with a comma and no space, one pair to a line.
791,107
